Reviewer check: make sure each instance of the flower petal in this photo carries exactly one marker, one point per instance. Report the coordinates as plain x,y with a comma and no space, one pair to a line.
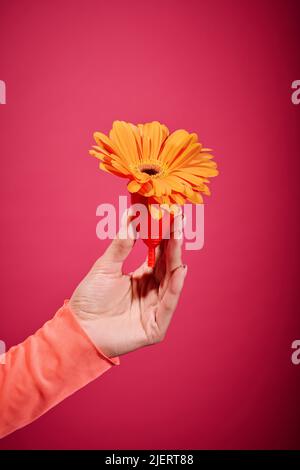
192,151
158,186
156,135
196,198
174,183
120,167
122,135
133,186
98,155
147,188
110,169
202,171
138,138
104,141
177,198
196,176
101,149
174,144
191,178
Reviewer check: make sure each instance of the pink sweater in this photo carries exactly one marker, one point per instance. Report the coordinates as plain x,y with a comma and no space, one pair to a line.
46,368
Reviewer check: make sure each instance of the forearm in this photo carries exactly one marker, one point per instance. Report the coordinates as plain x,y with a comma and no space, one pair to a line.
47,367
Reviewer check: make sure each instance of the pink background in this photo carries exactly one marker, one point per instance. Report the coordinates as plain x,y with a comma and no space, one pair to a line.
223,378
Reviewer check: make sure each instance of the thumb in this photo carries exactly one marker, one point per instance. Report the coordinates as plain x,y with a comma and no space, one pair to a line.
122,245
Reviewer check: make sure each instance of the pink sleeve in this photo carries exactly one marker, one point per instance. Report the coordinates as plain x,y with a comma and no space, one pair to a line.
46,368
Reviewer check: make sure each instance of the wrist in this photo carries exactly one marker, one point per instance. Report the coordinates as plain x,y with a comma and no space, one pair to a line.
94,329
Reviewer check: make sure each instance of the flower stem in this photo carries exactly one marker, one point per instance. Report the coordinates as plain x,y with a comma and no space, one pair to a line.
151,256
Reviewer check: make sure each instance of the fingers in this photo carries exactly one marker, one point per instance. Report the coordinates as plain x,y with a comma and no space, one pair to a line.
144,268
174,246
173,255
118,250
170,299
159,271
122,245
170,261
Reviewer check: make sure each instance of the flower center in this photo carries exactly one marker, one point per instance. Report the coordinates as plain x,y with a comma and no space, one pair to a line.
150,169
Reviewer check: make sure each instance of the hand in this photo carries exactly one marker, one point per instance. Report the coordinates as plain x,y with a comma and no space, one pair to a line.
123,312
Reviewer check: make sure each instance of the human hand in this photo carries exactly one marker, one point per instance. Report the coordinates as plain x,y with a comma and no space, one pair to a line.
122,312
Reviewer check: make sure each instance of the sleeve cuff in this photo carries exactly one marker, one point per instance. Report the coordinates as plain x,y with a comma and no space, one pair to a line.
69,315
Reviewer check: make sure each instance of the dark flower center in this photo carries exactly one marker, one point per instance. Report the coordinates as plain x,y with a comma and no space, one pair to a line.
151,170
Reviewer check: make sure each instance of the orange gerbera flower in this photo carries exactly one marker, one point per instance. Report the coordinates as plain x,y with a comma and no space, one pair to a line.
166,168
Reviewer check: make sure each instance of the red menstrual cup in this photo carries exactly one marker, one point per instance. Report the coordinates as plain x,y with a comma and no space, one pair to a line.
157,228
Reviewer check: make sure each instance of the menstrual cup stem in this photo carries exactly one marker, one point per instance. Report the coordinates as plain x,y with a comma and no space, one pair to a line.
151,256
